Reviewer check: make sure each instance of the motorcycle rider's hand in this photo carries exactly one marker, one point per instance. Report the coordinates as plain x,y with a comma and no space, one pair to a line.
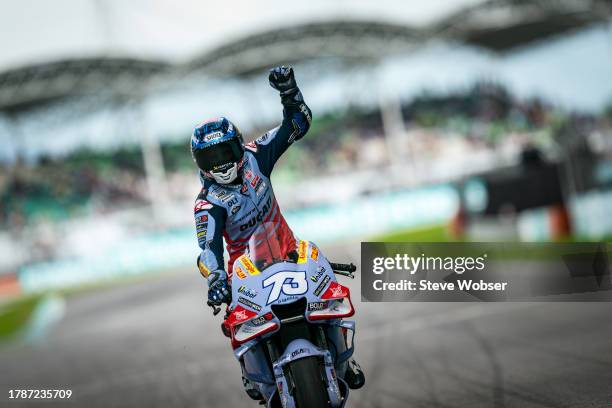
219,290
283,80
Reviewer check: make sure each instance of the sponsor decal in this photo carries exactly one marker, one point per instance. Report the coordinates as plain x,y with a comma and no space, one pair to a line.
232,202
201,233
220,194
202,218
315,306
286,299
247,291
255,181
258,321
248,265
260,187
249,303
305,112
320,272
298,352
201,205
227,198
337,291
240,273
240,315
261,139
302,251
314,253
213,136
235,209
248,174
322,285
283,395
253,221
203,269
244,188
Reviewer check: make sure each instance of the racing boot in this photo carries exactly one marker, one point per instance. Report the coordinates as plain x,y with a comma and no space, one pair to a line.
354,375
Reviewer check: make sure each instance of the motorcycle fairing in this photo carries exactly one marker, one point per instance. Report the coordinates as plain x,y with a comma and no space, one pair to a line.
254,292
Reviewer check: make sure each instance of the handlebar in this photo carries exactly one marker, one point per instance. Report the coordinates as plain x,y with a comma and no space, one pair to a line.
343,269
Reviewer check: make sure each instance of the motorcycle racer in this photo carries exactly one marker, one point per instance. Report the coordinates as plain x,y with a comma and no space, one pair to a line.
236,192
237,195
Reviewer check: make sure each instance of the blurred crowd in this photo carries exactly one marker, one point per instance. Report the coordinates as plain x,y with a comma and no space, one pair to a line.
59,188
439,128
483,118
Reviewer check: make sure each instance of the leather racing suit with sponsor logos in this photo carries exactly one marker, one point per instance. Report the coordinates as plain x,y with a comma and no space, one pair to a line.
235,211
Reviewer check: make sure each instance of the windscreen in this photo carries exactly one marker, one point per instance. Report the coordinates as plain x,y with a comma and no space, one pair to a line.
264,246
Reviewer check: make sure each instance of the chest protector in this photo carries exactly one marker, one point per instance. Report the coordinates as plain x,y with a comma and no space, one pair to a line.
248,205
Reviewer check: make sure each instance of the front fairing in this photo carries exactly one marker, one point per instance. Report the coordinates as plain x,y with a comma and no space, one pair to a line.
254,292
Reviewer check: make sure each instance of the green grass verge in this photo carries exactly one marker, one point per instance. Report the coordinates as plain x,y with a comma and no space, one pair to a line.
520,250
432,233
15,314
439,233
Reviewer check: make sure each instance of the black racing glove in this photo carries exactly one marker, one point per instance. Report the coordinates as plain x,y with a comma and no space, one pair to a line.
283,80
219,290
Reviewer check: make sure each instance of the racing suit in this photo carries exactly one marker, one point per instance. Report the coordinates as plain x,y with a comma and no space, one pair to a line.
235,211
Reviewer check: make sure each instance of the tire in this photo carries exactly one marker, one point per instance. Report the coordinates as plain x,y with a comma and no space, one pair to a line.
310,391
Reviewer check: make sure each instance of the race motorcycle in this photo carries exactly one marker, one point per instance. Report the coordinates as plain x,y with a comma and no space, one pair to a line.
286,326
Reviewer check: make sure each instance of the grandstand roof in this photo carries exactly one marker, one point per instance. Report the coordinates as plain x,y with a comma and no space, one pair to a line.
501,25
28,87
79,56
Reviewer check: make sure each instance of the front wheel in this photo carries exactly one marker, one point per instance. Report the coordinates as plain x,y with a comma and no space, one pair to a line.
310,390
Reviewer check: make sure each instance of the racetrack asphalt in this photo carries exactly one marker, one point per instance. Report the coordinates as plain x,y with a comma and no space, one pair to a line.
155,344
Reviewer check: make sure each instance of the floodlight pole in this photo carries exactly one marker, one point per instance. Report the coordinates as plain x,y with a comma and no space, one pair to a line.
13,134
153,164
396,137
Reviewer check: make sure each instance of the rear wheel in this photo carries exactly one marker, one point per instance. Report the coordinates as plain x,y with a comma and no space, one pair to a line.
310,390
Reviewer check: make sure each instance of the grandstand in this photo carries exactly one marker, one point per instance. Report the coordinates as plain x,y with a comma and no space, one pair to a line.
99,130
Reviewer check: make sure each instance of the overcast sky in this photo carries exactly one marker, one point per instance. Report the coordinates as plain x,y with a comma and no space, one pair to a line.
38,31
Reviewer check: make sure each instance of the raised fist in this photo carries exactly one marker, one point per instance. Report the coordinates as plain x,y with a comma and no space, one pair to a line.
282,79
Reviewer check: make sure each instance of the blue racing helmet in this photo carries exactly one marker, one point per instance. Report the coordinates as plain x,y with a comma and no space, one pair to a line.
216,145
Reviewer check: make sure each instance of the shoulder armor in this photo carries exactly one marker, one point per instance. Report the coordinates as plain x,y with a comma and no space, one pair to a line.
201,203
252,146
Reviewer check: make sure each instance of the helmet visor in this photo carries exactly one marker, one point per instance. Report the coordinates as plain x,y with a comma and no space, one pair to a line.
217,155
